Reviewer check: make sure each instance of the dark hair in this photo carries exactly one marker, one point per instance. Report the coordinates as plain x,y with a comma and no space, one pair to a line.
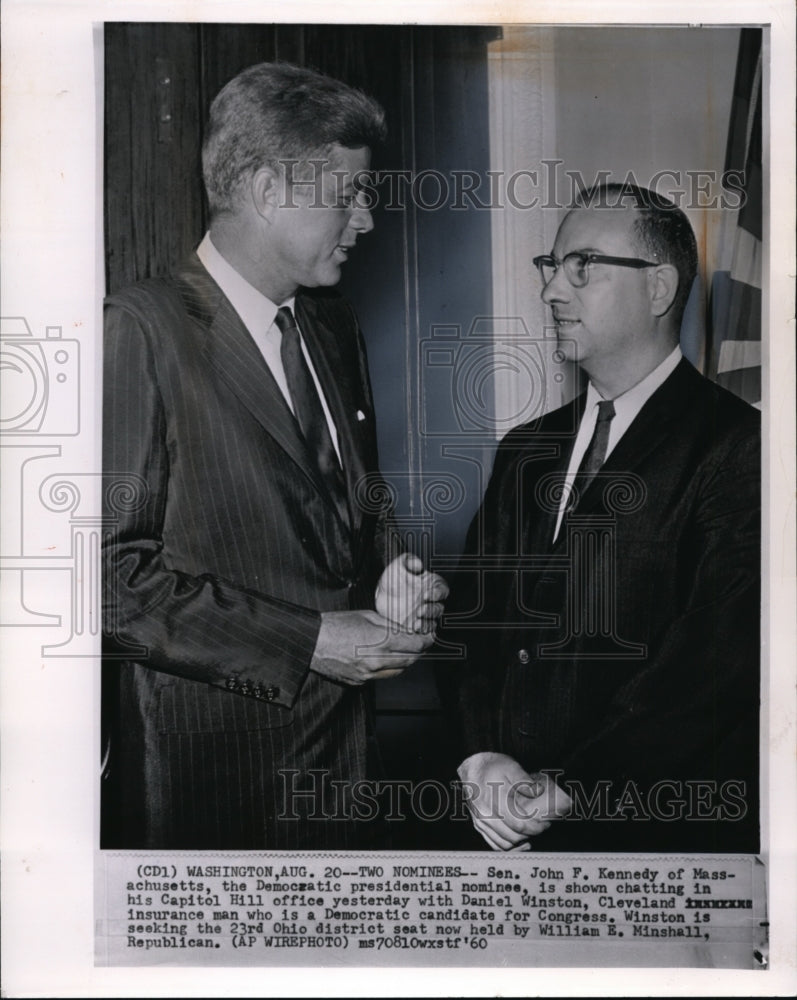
275,111
662,231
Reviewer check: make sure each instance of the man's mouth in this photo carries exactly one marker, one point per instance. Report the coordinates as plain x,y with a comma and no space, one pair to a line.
565,321
343,249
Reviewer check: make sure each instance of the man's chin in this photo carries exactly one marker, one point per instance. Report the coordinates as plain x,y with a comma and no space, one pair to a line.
328,278
569,348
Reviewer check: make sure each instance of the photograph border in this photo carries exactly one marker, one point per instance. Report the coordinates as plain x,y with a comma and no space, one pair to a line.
53,273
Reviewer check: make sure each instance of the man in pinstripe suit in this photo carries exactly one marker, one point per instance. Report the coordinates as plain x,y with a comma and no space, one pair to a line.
247,600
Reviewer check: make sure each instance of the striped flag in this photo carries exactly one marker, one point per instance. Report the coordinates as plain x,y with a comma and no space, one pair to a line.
735,303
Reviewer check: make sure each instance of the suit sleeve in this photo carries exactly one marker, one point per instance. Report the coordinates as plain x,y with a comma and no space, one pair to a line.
204,628
697,697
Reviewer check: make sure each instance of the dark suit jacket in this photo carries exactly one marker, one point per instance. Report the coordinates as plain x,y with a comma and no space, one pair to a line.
625,656
222,549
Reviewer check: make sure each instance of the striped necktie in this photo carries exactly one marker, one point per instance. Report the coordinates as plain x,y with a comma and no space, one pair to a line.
309,412
595,455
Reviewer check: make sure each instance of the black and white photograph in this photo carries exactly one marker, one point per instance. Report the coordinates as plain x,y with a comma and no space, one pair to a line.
398,445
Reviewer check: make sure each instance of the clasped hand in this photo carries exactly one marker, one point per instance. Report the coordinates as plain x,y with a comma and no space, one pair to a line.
411,596
508,805
357,646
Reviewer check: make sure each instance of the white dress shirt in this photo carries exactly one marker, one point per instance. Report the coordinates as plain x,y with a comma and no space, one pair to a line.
257,314
626,409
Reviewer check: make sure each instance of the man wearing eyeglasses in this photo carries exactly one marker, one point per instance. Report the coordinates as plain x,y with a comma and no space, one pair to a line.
608,598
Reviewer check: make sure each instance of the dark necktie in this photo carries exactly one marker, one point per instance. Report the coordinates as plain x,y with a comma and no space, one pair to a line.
595,455
309,412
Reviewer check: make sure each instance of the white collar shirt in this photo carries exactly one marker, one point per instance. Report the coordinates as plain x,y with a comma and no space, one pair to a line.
626,409
258,313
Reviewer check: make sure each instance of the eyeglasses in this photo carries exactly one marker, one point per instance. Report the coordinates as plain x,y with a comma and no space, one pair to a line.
576,265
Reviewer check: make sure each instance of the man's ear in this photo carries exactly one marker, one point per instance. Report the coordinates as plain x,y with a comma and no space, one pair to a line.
663,288
264,191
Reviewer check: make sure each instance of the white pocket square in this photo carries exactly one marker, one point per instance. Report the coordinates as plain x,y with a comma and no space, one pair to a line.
360,415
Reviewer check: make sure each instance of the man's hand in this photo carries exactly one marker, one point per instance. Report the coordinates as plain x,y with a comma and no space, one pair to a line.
410,595
507,804
358,646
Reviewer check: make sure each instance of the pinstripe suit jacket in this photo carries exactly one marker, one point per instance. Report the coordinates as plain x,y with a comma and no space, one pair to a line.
624,656
221,550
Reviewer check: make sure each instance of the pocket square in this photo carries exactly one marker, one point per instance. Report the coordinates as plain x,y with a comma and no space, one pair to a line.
360,415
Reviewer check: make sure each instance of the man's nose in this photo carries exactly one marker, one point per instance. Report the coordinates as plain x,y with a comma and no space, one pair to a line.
558,288
361,219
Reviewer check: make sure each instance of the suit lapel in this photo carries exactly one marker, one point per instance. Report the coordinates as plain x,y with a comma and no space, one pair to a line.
651,426
235,357
561,437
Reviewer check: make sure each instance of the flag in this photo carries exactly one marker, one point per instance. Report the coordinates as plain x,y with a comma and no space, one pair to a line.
734,321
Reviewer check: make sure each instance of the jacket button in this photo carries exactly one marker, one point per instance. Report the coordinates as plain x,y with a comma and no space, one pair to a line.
232,684
271,693
245,687
523,655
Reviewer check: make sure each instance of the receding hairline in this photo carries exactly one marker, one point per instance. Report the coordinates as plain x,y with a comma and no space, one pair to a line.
603,210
